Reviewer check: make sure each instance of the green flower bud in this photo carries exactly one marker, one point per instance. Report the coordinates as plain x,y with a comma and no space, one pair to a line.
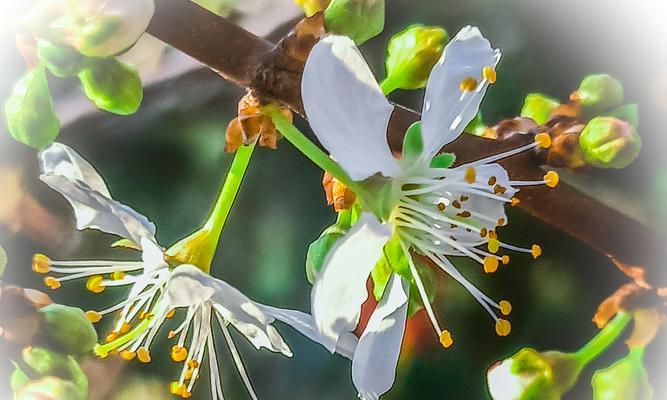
531,375
311,7
538,107
112,85
69,327
361,20
31,118
95,28
607,142
49,388
3,261
62,61
411,55
44,363
628,113
599,93
625,379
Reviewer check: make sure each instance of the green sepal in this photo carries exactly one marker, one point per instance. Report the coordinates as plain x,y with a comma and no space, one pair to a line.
538,107
444,160
393,260
628,113
319,249
625,379
61,61
476,127
19,378
413,143
125,244
69,328
29,111
361,20
112,85
44,362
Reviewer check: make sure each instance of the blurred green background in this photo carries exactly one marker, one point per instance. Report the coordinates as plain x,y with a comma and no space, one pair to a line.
167,161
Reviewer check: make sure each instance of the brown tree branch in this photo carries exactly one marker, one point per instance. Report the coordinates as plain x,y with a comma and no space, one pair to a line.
252,62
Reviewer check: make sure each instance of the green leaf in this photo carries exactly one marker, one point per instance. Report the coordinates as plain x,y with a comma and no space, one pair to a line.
31,118
444,160
69,328
62,61
112,85
413,143
628,113
361,20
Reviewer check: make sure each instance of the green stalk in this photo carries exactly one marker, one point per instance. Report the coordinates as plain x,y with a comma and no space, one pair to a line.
388,86
605,338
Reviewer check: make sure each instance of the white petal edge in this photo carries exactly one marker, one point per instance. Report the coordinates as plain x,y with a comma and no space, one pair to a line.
340,288
376,356
74,178
447,109
346,108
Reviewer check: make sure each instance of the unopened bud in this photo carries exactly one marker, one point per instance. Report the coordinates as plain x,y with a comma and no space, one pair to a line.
361,20
607,142
599,93
112,85
69,328
411,55
311,7
49,388
62,61
538,107
625,379
44,362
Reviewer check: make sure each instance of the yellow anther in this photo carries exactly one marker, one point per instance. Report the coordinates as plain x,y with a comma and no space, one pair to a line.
186,395
490,264
118,275
171,314
441,206
143,355
171,335
41,263
51,282
93,316
501,222
179,354
468,84
551,179
188,374
125,328
446,339
94,284
515,202
536,250
177,388
111,337
494,245
505,307
127,355
492,181
543,140
483,232
193,364
505,260
490,74
470,175
493,235
503,327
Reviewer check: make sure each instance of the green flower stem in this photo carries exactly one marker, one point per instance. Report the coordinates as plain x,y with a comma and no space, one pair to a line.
321,159
388,86
605,338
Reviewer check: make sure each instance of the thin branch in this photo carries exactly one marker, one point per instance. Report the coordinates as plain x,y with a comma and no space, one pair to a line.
250,61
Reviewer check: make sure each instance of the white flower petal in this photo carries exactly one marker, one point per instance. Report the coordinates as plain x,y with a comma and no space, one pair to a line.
194,286
447,109
347,109
340,288
75,179
305,324
151,255
374,363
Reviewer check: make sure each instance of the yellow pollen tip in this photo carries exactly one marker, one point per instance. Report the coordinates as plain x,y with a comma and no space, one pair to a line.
193,364
51,282
41,263
490,74
127,355
93,316
470,175
493,235
494,245
515,202
176,388
490,264
179,354
171,314
94,284
446,339
111,337
543,140
505,260
468,84
143,355
505,307
171,335
186,395
118,275
503,327
536,250
125,328
551,179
